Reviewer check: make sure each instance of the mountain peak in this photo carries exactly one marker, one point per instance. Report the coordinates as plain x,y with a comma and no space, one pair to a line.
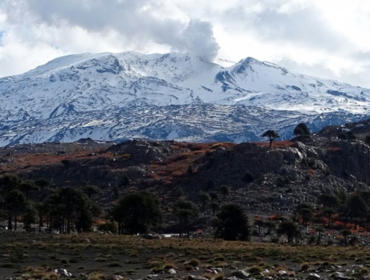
245,64
110,96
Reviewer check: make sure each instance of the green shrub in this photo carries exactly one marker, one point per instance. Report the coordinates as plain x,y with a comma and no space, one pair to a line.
255,269
64,261
194,262
114,265
305,266
108,227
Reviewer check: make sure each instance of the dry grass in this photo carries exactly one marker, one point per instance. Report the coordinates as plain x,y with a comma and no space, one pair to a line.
132,253
277,144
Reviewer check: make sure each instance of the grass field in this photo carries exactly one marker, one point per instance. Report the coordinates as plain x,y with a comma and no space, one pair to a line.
98,256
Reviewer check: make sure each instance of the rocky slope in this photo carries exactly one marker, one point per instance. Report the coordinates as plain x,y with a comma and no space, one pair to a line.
282,176
173,96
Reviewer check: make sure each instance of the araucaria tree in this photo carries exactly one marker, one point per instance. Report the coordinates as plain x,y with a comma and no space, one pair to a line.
138,212
271,135
225,190
14,194
204,200
185,211
301,129
232,223
70,208
66,209
290,229
356,208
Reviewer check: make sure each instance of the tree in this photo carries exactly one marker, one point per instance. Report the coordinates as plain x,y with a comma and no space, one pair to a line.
177,192
345,234
42,211
42,183
319,232
214,207
124,182
365,196
190,169
210,185
329,212
290,229
367,139
185,211
298,131
356,208
271,135
115,192
204,200
342,196
303,205
232,223
137,212
342,136
301,129
69,207
15,202
351,135
248,177
90,190
29,216
108,227
259,224
271,226
225,190
306,215
27,187
214,196
329,200
9,182
305,212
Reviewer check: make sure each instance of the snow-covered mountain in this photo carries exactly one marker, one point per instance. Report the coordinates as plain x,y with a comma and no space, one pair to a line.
168,96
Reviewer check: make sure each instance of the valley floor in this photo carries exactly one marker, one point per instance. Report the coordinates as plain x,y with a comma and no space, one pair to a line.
104,256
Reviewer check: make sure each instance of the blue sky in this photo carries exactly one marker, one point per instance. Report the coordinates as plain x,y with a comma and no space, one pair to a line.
323,38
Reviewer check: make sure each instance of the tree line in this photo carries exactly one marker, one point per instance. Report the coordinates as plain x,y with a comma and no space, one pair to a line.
34,202
68,209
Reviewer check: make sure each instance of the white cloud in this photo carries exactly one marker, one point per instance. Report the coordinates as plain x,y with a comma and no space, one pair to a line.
318,37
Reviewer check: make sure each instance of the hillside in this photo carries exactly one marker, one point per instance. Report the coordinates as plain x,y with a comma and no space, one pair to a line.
115,97
289,173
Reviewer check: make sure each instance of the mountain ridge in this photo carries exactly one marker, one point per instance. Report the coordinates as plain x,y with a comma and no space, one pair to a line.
130,95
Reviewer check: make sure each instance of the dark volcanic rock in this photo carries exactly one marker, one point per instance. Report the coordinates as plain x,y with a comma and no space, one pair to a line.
141,151
260,178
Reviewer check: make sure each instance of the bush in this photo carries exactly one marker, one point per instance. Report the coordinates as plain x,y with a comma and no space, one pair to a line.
194,262
232,223
169,265
255,269
301,129
248,177
219,276
108,227
305,266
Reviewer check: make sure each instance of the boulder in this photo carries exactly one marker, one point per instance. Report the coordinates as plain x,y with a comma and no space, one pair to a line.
313,276
171,271
196,277
63,272
241,274
340,276
231,278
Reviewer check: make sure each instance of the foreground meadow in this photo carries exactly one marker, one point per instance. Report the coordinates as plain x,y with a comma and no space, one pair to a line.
99,256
